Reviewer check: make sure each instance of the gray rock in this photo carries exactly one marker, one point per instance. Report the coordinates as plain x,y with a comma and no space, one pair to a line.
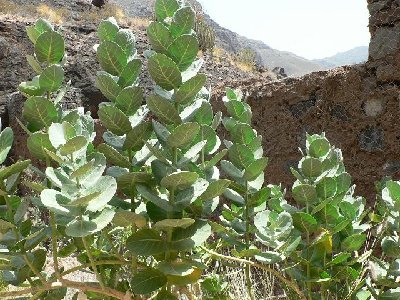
372,139
385,42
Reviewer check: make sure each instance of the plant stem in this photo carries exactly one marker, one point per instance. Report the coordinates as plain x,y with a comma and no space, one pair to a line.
288,282
83,287
54,244
202,150
247,240
92,262
309,286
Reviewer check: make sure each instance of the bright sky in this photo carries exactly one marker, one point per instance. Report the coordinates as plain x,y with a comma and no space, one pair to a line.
309,28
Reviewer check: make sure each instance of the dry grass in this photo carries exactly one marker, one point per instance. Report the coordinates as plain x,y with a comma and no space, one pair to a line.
109,10
56,16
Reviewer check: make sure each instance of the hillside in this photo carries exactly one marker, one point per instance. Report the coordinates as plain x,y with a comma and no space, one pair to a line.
353,56
232,42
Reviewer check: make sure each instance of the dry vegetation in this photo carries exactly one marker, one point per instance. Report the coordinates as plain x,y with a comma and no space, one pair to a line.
59,15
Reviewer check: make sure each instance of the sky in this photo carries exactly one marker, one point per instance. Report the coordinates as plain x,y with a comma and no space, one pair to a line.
309,28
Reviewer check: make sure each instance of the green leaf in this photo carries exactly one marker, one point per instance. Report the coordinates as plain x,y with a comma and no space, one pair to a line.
126,40
51,78
129,100
239,111
34,64
183,21
243,134
319,148
174,223
255,169
33,33
191,237
204,115
394,190
338,259
107,85
114,120
85,227
129,180
175,268
235,197
311,167
43,25
49,47
111,58
39,112
32,88
148,281
37,143
305,222
343,182
108,29
159,37
208,134
138,136
188,91
353,242
130,73
213,161
165,9
184,51
83,170
240,155
149,195
146,242
164,71
113,156
179,180
129,218
304,193
6,141
163,109
73,145
326,187
183,134
59,134
215,189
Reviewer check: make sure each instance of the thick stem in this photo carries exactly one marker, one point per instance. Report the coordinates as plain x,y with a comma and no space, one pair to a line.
278,275
54,244
83,287
247,241
92,263
309,286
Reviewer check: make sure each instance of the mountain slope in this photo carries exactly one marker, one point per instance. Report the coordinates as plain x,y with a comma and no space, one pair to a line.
233,42
354,56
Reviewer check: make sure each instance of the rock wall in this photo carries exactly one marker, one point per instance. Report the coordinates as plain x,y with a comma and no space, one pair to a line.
357,107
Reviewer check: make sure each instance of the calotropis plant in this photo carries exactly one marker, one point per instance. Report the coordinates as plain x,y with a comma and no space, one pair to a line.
383,280
329,219
245,216
185,182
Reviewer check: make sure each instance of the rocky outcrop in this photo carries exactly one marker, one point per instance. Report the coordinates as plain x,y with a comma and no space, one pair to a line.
358,107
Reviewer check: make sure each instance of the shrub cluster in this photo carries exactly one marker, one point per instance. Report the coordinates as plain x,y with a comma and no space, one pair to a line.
142,209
